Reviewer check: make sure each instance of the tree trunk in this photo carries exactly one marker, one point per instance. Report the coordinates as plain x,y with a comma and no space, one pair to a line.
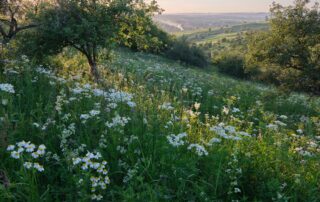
94,71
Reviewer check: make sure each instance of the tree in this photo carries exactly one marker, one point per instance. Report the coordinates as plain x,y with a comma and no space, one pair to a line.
289,50
86,25
15,17
138,31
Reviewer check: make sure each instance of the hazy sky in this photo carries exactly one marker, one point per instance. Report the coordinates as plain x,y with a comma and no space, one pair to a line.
205,6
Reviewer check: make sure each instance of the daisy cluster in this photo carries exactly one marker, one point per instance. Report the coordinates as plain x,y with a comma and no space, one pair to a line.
166,106
228,132
28,151
6,87
93,166
177,140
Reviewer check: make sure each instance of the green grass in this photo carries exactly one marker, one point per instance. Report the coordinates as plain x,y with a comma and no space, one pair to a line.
204,35
254,143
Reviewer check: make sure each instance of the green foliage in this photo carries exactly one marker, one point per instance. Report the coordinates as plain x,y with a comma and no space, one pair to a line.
88,26
84,25
181,50
277,160
15,17
289,51
231,63
138,31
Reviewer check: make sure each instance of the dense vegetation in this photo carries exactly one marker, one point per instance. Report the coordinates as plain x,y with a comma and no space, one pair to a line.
167,133
83,117
284,51
289,52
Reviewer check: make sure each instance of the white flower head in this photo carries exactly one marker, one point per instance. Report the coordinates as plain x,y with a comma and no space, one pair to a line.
27,165
35,155
15,154
6,87
10,148
197,106
38,167
30,147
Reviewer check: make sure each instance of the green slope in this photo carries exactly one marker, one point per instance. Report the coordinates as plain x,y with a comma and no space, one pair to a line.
168,133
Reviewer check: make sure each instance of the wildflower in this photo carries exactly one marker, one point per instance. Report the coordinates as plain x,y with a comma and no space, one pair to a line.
22,144
200,150
84,116
84,166
225,110
237,190
118,121
6,87
38,167
166,106
131,104
76,161
15,155
10,148
27,165
214,140
20,150
30,147
36,125
280,123
97,197
235,110
176,140
283,117
184,90
197,106
41,149
4,102
272,126
35,155
94,112
299,131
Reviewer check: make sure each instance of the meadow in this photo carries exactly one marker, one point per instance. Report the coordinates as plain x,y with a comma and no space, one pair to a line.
153,130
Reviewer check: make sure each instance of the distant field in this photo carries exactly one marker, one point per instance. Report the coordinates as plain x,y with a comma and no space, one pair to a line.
191,22
219,33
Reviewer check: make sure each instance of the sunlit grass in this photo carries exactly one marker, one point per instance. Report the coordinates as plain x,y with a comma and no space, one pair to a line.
164,132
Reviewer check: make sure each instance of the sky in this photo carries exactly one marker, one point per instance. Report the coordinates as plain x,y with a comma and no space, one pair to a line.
218,6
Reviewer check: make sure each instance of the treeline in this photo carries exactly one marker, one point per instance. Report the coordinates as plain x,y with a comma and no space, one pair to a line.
288,54
93,27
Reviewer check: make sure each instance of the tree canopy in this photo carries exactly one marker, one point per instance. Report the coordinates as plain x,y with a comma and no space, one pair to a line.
289,51
86,25
15,17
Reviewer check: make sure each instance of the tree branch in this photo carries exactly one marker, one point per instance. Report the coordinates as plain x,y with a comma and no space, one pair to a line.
26,27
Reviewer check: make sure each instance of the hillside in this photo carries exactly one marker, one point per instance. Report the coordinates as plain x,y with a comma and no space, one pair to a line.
154,130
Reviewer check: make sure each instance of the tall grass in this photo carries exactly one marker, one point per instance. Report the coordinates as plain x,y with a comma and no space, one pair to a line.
154,131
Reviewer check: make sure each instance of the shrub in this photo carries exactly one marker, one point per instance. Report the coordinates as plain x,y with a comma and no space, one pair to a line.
139,33
231,64
289,52
181,50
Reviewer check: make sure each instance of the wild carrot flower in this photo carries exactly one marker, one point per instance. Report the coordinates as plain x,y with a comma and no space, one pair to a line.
6,87
177,140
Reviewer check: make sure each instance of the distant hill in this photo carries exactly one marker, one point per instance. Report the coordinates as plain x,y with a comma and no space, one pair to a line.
196,21
205,35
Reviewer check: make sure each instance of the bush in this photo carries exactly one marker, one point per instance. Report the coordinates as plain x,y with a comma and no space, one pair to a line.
288,53
139,33
231,64
181,50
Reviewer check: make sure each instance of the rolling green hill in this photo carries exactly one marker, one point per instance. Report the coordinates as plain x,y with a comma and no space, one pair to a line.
209,35
194,21
153,130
